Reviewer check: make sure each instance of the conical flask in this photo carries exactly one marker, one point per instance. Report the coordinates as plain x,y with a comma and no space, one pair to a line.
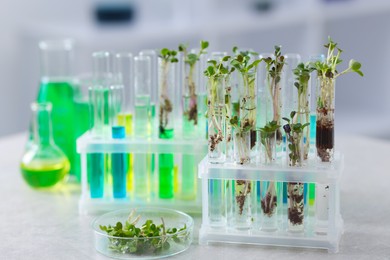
43,164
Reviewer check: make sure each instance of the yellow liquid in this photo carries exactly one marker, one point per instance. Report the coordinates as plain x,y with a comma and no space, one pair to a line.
126,120
44,174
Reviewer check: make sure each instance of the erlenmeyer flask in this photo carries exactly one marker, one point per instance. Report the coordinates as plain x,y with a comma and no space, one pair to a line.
43,164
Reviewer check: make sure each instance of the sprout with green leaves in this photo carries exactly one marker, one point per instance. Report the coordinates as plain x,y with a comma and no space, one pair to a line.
246,66
268,137
216,73
190,59
166,106
302,76
294,132
274,67
327,73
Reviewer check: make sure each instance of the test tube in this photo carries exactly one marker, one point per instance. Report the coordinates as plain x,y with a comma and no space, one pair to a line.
167,88
313,120
289,99
142,124
99,94
124,72
153,99
118,165
153,81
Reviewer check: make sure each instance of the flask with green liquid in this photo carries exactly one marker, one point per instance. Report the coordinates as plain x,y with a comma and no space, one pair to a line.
43,164
57,87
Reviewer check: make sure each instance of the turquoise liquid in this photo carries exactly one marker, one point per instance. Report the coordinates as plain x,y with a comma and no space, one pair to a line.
313,127
119,174
96,174
60,94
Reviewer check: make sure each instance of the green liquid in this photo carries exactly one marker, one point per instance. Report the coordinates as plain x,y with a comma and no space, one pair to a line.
60,94
44,174
82,125
166,170
312,193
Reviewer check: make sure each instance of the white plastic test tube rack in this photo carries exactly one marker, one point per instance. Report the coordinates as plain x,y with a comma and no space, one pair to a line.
322,225
87,144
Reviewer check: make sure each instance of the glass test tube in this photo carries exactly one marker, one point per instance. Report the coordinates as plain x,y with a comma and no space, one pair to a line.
154,83
166,111
271,195
118,166
153,104
142,125
99,96
313,118
124,75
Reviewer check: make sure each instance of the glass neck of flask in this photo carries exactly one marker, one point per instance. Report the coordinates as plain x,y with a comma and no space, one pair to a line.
42,128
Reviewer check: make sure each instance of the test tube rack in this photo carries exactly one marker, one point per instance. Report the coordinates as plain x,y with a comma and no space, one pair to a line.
315,234
185,198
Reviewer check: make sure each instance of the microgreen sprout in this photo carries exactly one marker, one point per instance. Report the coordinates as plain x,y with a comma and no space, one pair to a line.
274,68
268,134
167,56
191,89
216,73
327,73
302,76
294,133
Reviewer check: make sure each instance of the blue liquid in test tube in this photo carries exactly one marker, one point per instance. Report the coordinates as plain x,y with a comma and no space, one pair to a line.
118,166
96,175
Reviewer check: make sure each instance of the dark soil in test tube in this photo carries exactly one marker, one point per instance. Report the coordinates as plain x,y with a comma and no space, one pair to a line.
241,196
295,212
324,140
268,204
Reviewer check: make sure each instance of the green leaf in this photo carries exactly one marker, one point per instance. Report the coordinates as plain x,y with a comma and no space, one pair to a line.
204,44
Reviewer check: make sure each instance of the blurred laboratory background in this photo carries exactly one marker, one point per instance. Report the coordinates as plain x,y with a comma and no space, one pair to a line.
300,26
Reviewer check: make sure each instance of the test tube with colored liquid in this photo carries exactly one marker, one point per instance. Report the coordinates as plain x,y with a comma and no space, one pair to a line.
124,71
118,166
99,96
166,114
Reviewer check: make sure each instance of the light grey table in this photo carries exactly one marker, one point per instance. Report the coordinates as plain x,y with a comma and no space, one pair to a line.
46,225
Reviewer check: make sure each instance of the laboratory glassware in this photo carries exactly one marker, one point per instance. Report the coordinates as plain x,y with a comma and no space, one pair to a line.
43,164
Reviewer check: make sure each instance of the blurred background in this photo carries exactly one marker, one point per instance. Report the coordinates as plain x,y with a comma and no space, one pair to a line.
300,26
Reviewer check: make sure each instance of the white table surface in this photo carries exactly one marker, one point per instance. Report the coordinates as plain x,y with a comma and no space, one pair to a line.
47,225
